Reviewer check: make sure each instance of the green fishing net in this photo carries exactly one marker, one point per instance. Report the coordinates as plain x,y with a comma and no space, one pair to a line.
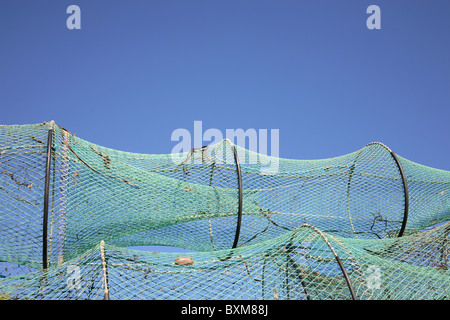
366,225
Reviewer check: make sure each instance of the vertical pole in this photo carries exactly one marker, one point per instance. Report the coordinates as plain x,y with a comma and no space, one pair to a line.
105,273
240,198
347,279
46,197
239,178
64,181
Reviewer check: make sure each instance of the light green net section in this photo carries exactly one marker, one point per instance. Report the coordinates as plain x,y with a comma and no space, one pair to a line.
307,229
299,264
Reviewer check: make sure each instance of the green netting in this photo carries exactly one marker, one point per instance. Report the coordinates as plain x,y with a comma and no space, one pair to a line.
354,226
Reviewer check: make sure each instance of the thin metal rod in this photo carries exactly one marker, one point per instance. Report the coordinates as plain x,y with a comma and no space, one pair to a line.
239,177
46,198
405,189
240,200
347,279
404,182
338,260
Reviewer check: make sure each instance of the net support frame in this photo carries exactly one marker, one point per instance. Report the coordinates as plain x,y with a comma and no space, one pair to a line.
239,178
404,183
405,190
46,197
338,260
405,186
104,271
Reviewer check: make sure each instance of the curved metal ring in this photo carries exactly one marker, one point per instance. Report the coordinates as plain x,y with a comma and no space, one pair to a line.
338,260
405,187
240,193
404,182
239,177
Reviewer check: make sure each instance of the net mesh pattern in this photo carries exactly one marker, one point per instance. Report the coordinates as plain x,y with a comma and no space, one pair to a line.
358,226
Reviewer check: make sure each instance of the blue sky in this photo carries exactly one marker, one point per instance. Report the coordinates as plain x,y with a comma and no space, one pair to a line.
137,70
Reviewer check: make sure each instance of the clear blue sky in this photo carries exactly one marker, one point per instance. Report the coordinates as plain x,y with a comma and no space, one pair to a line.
137,70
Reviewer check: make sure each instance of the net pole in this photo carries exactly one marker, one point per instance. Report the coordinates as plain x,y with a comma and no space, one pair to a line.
105,273
64,182
46,198
239,178
404,183
405,190
240,198
336,257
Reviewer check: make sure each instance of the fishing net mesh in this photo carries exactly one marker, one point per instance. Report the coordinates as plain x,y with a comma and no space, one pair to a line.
358,226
